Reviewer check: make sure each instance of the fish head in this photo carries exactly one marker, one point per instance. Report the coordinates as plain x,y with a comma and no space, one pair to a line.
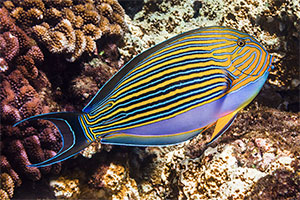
249,57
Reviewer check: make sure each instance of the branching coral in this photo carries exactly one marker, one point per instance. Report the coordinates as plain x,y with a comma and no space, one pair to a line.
22,146
19,98
6,186
69,27
17,49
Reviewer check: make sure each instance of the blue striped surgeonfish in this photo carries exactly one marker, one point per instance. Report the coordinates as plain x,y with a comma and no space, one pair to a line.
169,93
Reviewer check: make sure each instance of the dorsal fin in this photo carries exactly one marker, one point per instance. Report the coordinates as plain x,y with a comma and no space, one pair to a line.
116,79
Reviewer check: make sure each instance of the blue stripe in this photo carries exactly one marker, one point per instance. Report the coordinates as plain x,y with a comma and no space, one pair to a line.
173,110
159,70
199,80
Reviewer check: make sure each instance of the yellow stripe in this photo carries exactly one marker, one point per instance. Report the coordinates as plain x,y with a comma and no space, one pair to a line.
148,136
167,108
161,97
153,88
85,129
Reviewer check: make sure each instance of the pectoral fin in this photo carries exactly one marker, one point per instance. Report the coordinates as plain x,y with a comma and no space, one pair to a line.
222,125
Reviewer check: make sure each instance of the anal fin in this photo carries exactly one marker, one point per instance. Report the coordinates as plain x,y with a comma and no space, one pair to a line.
222,125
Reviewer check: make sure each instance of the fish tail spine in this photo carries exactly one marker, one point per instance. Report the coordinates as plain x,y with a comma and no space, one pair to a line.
74,136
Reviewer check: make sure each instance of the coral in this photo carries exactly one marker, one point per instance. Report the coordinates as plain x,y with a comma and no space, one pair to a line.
20,50
116,182
252,158
69,28
7,186
65,188
7,24
22,146
93,148
92,77
282,184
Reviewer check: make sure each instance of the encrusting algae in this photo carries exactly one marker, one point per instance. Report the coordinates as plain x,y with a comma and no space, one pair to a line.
69,27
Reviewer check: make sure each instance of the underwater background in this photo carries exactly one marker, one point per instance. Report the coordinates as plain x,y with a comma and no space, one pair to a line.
56,54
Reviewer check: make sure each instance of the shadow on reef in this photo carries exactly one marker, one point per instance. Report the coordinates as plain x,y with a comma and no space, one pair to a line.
132,7
280,185
286,75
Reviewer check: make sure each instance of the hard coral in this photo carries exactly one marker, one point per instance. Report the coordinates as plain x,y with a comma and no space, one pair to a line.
6,186
22,146
281,185
116,182
65,188
94,74
17,49
69,27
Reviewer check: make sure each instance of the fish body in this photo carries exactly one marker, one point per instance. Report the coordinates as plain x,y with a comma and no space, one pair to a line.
169,93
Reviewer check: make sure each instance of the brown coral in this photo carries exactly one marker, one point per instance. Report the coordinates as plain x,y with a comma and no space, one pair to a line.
6,187
69,27
19,50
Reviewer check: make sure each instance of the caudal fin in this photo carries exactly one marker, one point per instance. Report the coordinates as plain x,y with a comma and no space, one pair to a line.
73,137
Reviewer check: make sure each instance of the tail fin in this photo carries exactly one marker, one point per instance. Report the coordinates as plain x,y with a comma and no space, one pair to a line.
73,136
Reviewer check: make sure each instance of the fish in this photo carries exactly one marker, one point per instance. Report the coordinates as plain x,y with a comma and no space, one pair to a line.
169,93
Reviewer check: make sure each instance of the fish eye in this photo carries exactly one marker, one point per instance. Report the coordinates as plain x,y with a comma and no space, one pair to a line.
241,42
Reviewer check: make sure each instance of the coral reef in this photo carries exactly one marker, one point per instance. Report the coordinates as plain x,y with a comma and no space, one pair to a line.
6,186
94,74
65,188
251,157
22,94
257,153
257,158
69,27
281,184
23,145
20,50
116,182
